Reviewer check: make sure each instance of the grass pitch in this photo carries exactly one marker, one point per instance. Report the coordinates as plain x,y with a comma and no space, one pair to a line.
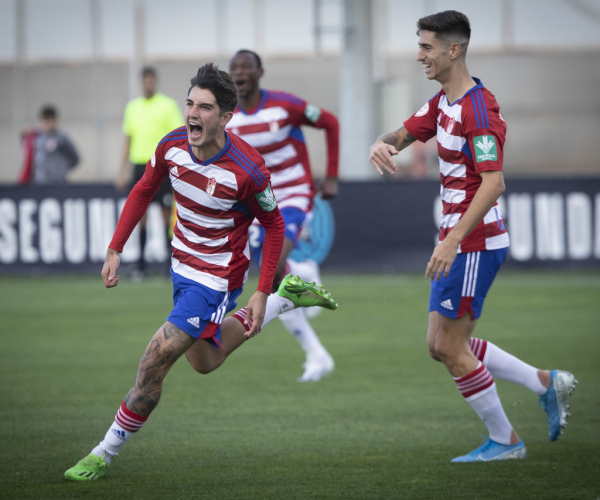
384,425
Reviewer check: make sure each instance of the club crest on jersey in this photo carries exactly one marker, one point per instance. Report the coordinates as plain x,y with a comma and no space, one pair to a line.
266,200
486,148
274,127
210,186
450,125
312,112
423,111
174,172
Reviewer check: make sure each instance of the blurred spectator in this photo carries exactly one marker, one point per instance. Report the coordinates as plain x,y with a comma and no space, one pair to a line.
147,120
48,154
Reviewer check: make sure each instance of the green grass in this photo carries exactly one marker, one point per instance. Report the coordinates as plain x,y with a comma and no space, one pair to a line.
384,425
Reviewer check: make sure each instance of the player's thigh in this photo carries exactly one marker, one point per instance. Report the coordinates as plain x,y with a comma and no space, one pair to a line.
166,346
453,334
205,357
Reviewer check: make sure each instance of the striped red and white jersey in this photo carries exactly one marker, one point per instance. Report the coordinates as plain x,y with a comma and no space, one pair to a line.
470,135
216,201
273,128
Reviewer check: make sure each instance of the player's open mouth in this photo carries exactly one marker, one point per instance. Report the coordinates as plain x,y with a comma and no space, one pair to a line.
195,130
427,67
240,83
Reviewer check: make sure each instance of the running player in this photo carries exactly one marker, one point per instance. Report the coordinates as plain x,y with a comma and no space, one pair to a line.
470,130
220,185
270,121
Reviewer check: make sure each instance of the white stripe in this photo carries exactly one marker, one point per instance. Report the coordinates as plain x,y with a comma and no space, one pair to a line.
466,277
495,242
264,115
206,279
448,141
279,156
200,196
452,195
493,216
475,274
282,194
471,273
454,111
450,220
288,175
452,169
183,158
202,220
259,139
194,238
217,259
299,202
479,394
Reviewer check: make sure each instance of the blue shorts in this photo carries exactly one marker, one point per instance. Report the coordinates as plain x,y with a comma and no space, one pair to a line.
294,219
467,284
199,310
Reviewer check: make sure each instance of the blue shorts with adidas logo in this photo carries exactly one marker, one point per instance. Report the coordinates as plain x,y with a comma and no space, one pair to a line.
467,284
199,310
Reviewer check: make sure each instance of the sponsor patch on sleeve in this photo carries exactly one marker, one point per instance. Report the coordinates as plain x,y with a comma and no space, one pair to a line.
266,200
312,112
485,148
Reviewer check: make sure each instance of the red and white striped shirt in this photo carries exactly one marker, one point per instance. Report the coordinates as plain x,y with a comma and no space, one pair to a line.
273,128
216,201
470,135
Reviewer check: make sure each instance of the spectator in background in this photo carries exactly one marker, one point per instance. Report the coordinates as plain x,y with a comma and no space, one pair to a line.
147,120
48,153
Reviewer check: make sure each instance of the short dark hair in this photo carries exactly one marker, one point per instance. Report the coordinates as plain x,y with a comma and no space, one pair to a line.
48,112
148,71
253,54
449,25
220,83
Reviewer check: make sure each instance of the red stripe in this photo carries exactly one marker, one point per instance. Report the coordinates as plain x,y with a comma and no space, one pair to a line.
458,183
132,415
241,317
200,181
258,127
488,384
200,265
200,209
200,247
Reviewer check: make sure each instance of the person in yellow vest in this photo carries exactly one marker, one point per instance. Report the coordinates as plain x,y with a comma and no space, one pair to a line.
147,120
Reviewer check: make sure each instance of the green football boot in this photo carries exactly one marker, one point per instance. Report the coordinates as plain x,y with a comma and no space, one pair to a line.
87,469
305,294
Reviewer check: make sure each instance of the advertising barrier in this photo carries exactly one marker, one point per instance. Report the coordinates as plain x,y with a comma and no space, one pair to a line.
379,227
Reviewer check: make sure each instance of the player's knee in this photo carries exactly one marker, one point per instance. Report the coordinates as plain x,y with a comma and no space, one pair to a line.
444,353
433,353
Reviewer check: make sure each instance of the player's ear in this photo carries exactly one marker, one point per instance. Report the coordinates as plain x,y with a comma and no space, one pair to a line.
454,50
261,72
225,117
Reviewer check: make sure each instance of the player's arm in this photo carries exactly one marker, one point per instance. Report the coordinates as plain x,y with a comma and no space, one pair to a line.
492,186
135,207
329,122
388,145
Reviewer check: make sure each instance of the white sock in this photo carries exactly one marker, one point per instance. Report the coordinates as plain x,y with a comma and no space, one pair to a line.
308,270
297,324
505,366
276,305
125,425
479,389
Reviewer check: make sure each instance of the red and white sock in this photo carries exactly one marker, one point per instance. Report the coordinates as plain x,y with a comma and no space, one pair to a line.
276,305
479,389
126,424
505,366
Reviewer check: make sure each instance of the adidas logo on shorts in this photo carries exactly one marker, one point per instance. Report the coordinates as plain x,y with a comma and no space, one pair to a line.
447,304
194,321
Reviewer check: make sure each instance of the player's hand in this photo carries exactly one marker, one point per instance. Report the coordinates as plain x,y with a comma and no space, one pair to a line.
329,188
441,260
256,312
381,157
109,270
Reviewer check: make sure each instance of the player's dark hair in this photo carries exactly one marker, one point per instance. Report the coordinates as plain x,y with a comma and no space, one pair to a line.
148,71
253,54
220,83
449,26
48,112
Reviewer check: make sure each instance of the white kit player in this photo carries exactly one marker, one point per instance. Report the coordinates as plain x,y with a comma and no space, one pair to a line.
466,120
270,122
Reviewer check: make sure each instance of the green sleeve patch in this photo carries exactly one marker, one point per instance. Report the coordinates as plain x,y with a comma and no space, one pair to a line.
312,112
485,148
266,200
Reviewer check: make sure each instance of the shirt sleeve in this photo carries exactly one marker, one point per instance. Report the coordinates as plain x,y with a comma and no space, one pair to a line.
314,116
139,198
423,124
486,139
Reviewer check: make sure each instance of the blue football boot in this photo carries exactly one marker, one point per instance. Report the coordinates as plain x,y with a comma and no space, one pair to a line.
491,450
554,401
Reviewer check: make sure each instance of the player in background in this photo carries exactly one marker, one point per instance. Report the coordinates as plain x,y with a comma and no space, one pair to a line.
470,130
270,121
220,184
146,121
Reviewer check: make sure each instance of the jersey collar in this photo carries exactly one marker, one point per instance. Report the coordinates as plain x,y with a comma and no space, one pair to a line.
257,108
215,158
472,89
